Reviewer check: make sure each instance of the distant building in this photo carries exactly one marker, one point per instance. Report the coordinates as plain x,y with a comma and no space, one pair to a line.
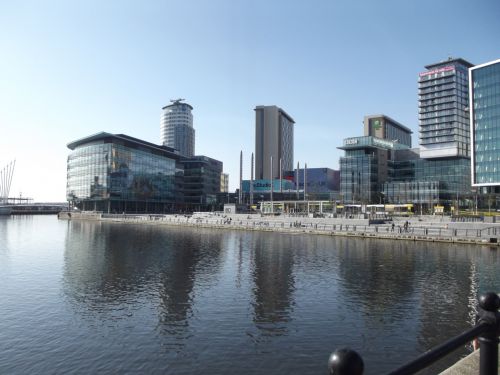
224,182
176,127
118,173
485,124
382,126
321,183
202,182
443,101
273,138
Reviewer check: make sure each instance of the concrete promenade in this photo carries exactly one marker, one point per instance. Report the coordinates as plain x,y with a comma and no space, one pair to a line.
417,228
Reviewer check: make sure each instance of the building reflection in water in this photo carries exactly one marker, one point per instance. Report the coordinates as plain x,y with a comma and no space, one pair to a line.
114,272
190,258
273,283
378,276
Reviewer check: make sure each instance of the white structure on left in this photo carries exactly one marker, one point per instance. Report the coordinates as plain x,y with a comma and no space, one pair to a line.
5,181
176,127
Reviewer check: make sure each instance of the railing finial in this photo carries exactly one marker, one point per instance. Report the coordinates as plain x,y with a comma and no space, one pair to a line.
345,362
489,301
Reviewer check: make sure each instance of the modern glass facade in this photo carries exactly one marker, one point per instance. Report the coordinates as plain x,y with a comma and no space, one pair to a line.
364,168
428,182
117,173
358,176
379,171
176,128
443,100
485,123
202,181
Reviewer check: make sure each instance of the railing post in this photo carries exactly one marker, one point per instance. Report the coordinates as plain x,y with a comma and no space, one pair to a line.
345,362
489,304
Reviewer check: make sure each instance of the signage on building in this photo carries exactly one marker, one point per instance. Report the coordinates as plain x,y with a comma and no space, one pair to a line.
382,143
435,71
351,141
264,186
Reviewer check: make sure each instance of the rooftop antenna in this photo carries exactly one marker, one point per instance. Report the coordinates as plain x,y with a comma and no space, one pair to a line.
176,101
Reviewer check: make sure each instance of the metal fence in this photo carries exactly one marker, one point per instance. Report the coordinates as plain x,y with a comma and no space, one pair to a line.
487,329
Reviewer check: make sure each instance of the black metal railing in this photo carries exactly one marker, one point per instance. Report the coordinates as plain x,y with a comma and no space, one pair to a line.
487,329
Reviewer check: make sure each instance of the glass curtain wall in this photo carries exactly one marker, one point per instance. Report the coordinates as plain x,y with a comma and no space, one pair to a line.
114,178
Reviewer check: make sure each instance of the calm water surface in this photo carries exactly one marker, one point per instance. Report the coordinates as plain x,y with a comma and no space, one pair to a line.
85,297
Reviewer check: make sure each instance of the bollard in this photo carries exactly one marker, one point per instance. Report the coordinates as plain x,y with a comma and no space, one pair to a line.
489,304
345,362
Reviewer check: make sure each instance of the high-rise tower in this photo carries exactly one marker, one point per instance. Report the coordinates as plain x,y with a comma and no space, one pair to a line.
443,100
176,127
273,141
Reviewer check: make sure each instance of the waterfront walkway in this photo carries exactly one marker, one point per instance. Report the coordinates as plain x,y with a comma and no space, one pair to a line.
421,228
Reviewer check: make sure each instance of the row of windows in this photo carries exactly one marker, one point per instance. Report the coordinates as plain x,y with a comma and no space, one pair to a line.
439,113
438,94
429,106
448,86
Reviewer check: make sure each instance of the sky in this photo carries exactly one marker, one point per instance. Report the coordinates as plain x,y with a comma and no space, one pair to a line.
70,69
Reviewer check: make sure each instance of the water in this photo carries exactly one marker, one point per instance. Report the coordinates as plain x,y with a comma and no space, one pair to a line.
90,297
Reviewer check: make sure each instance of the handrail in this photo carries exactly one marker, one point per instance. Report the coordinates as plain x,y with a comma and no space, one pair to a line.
348,362
440,351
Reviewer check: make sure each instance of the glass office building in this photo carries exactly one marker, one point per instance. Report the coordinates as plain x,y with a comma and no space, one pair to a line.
202,182
427,182
118,173
377,171
364,168
485,124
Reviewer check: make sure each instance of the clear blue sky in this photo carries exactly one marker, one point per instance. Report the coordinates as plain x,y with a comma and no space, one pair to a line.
69,69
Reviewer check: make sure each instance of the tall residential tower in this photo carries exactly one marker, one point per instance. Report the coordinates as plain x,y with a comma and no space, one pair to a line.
176,127
443,101
273,139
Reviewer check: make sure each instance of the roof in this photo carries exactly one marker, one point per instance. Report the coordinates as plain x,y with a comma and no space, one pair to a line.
449,61
398,124
176,103
279,110
126,139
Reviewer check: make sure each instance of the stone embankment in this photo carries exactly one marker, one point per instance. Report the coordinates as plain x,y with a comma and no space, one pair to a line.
421,228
